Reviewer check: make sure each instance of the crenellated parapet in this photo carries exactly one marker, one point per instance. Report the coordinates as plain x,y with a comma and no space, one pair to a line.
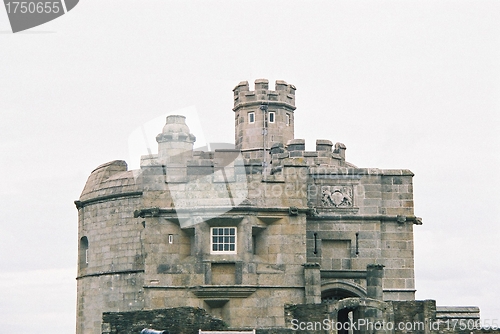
326,154
284,94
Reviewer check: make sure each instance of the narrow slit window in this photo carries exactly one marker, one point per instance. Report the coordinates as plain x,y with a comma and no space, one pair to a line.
287,121
271,117
251,117
84,251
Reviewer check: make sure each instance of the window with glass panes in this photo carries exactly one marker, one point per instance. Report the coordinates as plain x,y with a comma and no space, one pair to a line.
223,240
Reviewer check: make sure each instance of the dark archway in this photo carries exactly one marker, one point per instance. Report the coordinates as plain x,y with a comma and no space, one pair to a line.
353,309
345,316
333,295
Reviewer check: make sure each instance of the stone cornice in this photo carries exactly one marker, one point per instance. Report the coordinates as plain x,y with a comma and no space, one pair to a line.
383,218
228,211
106,273
345,274
80,204
259,102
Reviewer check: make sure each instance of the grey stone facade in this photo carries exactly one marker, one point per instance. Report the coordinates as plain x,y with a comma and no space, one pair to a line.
242,232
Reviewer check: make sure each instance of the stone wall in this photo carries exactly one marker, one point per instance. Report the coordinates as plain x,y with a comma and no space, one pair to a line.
414,316
181,320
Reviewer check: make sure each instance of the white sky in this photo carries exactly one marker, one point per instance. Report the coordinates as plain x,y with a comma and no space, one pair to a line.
404,84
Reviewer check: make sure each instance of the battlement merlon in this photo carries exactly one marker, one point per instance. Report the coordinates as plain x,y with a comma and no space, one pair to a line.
326,154
283,95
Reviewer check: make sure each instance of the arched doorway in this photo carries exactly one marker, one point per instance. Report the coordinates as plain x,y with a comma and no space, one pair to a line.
348,311
334,291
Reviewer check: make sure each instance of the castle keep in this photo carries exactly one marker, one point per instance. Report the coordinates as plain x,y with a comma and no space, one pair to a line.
243,231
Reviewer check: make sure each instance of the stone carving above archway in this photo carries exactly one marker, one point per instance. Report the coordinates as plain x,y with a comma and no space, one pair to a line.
337,196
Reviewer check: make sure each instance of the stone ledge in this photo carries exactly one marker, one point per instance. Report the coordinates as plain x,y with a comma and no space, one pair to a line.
457,312
354,274
107,273
81,204
229,291
337,215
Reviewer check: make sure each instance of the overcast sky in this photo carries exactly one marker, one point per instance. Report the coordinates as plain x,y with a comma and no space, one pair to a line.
402,84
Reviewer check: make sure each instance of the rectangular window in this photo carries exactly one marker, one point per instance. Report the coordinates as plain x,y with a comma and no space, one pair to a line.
271,117
287,119
170,238
251,117
223,240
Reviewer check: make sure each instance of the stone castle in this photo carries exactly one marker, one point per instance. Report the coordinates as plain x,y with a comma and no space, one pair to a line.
242,232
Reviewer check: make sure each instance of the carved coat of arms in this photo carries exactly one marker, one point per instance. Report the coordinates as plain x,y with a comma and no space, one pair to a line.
336,196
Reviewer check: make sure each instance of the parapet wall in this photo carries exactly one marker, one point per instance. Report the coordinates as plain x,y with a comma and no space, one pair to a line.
181,320
284,93
325,154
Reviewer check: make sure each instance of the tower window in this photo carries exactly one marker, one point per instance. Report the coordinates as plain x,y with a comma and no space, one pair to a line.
84,251
251,117
271,116
287,119
223,240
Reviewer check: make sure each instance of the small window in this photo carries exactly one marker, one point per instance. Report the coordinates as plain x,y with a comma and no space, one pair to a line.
223,240
271,117
170,238
251,117
84,252
287,119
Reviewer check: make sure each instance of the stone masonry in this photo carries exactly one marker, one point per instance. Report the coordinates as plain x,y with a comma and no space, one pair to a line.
243,231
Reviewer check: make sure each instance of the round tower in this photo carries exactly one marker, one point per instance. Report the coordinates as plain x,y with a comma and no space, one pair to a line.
263,117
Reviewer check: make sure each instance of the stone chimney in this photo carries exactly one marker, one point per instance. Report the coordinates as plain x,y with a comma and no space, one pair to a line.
175,143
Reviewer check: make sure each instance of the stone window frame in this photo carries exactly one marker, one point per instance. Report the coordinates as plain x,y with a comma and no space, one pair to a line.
251,117
287,119
224,242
